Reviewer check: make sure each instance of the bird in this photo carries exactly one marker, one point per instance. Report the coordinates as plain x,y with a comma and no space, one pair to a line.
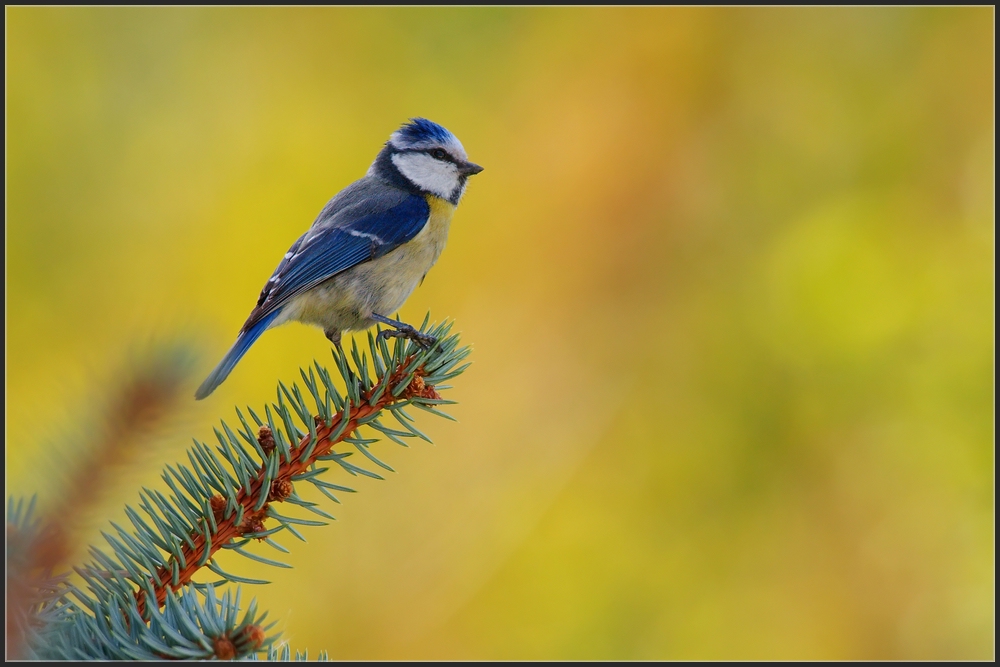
369,247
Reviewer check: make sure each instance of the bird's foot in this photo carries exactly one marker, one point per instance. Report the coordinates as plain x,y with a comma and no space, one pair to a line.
407,331
403,330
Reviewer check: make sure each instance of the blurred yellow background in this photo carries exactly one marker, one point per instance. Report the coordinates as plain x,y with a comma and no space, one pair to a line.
728,275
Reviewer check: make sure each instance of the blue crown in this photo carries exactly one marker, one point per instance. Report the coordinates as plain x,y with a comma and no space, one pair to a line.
420,132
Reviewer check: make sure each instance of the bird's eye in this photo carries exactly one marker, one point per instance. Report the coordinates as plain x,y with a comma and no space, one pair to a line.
438,154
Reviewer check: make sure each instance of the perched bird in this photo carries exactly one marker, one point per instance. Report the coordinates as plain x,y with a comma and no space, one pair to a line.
369,248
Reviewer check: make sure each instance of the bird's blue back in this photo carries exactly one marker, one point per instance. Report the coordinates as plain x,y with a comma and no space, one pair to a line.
366,220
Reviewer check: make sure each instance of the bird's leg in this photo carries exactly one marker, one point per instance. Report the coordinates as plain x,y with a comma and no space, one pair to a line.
403,330
334,336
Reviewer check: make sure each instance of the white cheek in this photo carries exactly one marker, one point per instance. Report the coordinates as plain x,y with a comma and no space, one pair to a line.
429,174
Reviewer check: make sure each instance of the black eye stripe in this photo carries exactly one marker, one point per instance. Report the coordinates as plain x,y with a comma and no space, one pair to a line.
430,151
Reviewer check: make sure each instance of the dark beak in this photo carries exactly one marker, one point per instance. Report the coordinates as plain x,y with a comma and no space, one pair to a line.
469,169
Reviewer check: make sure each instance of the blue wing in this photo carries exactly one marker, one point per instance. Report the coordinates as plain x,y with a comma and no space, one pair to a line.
365,221
343,236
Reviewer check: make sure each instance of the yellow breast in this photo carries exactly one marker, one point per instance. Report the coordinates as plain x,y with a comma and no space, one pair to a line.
441,212
431,239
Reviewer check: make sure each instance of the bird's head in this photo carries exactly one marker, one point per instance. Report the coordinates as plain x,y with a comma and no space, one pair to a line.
426,157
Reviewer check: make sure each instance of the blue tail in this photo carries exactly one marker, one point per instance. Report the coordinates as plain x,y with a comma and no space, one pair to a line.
236,352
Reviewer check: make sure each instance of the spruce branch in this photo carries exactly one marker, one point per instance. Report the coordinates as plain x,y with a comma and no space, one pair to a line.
147,396
141,600
244,515
31,591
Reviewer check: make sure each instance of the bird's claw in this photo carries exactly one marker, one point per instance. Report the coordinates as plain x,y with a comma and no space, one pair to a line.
407,331
423,340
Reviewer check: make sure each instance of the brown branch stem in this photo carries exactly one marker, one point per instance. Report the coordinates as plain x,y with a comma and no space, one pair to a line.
280,488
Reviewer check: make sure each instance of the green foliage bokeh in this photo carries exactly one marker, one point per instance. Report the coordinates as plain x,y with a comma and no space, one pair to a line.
729,275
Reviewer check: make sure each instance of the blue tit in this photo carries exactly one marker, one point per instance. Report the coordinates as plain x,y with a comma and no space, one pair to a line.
369,248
